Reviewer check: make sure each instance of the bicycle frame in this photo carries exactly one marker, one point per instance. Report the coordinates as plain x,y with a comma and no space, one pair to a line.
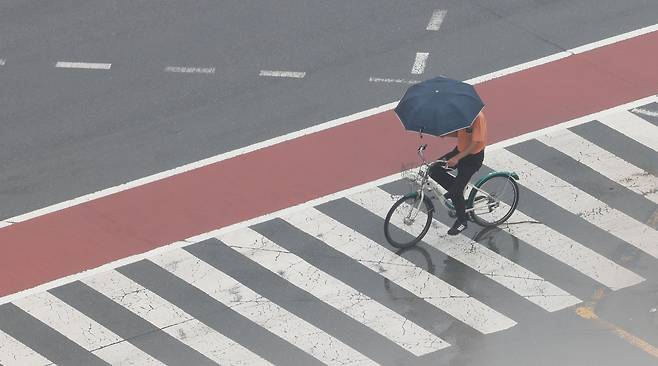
427,184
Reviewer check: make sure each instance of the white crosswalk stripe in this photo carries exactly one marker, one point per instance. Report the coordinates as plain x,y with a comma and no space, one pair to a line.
260,310
397,269
571,253
173,320
15,353
83,330
334,292
578,202
496,267
634,127
604,162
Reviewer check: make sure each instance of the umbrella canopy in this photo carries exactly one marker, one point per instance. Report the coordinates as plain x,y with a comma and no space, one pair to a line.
439,106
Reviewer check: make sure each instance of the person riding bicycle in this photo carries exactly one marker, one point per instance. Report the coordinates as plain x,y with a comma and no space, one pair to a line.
467,157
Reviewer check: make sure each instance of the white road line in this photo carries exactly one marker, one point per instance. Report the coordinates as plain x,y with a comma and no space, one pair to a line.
173,320
399,270
332,291
646,112
190,70
634,127
437,19
125,354
68,321
2,62
260,310
571,253
419,63
577,202
604,162
13,352
494,266
81,329
283,74
83,65
396,81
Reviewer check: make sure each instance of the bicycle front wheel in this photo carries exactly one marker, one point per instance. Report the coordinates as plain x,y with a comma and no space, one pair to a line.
408,220
496,200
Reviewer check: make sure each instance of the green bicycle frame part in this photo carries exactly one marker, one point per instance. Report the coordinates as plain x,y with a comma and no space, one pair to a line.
471,196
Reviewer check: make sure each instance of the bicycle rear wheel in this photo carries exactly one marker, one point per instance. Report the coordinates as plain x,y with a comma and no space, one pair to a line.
498,203
408,220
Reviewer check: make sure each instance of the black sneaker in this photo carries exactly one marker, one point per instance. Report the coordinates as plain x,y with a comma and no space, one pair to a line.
457,227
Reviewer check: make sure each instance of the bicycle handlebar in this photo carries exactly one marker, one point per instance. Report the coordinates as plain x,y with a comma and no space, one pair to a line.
421,153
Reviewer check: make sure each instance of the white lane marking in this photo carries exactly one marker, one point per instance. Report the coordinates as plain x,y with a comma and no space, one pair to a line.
190,70
634,127
396,81
283,212
259,309
437,19
604,162
13,352
139,300
83,65
483,260
399,270
125,354
571,253
334,292
283,74
577,202
79,328
646,112
419,63
68,321
172,320
2,62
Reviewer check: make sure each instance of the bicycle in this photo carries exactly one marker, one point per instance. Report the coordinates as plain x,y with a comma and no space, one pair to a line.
483,205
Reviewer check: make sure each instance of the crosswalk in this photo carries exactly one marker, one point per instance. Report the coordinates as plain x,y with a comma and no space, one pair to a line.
320,286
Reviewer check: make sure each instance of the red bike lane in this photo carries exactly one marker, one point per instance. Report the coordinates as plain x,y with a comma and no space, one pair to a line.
137,220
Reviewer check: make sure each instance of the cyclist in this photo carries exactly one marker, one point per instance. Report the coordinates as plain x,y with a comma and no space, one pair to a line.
467,157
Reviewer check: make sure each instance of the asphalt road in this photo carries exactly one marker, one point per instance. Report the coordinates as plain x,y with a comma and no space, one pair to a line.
69,132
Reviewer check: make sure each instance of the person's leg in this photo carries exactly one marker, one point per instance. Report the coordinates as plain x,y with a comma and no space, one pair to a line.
440,174
466,168
456,191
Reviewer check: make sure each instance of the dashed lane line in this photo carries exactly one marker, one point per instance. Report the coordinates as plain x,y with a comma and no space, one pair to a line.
83,65
390,80
437,19
419,63
190,70
282,74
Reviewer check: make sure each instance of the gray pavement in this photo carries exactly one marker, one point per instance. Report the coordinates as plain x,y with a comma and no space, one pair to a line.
72,132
